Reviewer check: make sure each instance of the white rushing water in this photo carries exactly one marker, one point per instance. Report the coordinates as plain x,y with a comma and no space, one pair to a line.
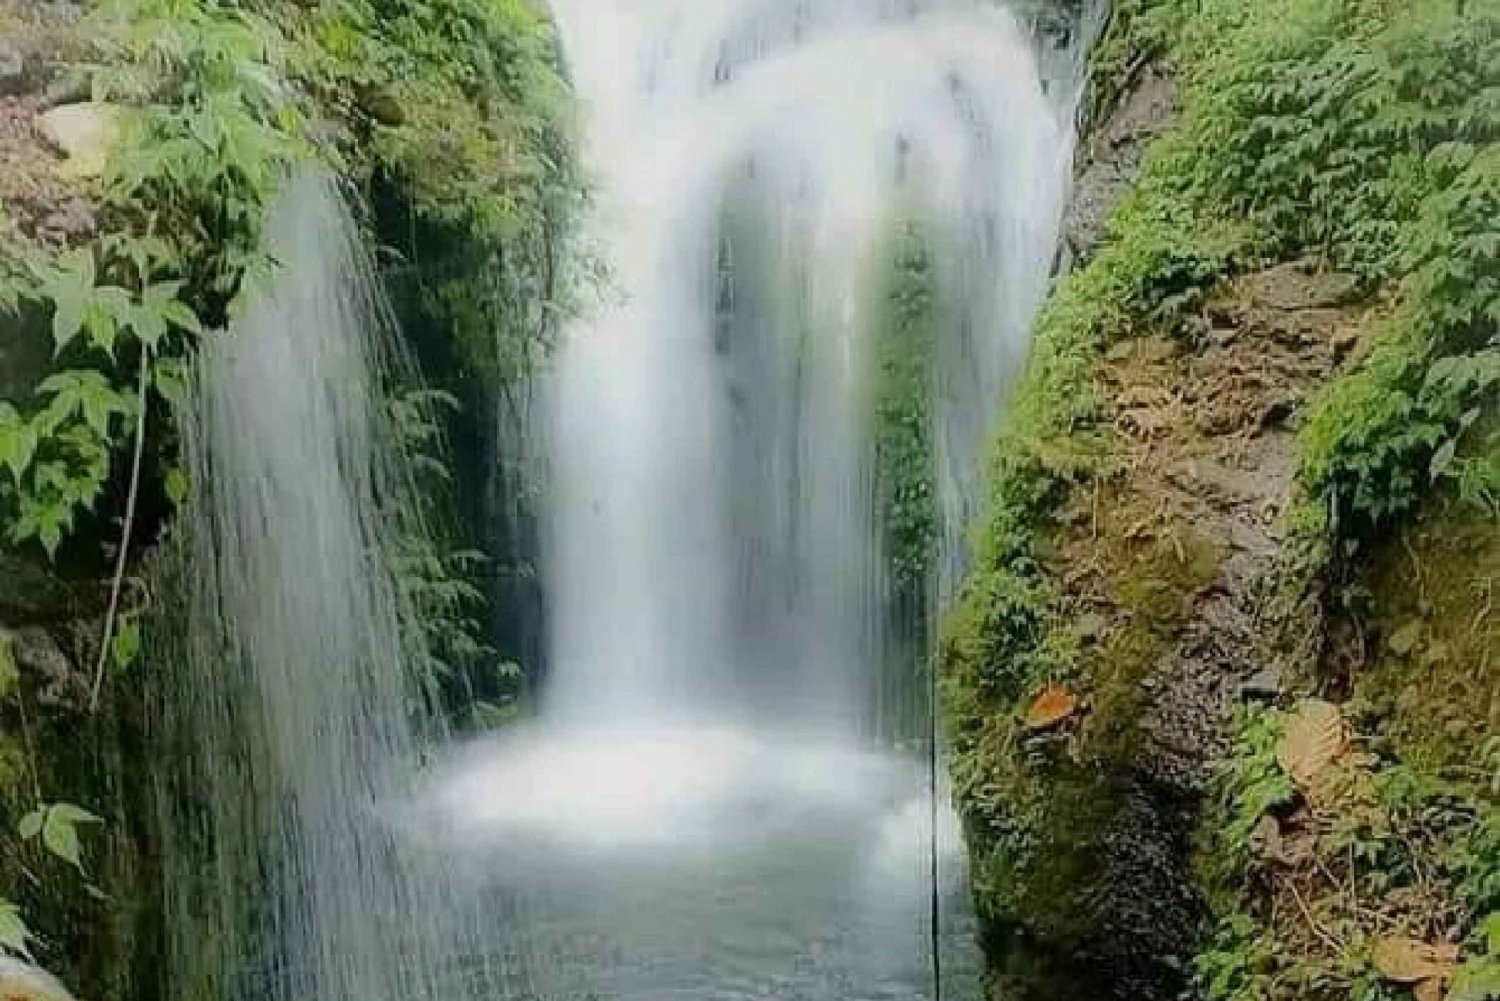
291,712
820,122
709,806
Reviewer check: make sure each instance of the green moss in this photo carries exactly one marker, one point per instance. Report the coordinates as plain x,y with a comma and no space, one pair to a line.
454,115
905,456
1434,684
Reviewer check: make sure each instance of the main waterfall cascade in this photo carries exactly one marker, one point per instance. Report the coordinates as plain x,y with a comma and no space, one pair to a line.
713,803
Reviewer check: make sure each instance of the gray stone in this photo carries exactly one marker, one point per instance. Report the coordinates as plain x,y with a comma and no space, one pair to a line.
83,133
73,87
1111,159
1297,286
22,982
1262,685
12,70
37,654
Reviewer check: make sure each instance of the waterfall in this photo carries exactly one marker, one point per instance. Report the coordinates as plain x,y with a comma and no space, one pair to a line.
713,803
289,719
713,502
710,805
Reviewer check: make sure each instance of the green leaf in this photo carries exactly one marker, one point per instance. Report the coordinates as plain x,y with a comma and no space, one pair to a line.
60,831
69,287
126,644
1442,458
1477,980
169,377
67,320
179,314
31,824
84,393
18,442
14,935
175,482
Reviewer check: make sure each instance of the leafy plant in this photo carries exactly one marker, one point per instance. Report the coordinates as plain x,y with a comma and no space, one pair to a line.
56,826
15,937
1250,784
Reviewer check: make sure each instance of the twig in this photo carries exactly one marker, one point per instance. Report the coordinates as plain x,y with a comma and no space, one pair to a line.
1489,603
1312,922
1416,566
123,555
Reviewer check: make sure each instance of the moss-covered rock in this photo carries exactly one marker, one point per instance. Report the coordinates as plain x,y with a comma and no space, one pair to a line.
1149,545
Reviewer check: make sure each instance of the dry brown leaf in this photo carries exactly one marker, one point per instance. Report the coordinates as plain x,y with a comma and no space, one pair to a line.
1431,989
1411,961
1315,738
1051,707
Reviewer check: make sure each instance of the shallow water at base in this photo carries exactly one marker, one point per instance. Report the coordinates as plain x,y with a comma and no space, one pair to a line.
713,863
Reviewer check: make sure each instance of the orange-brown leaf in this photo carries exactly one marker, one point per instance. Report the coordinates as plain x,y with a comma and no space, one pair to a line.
1411,961
1431,989
1051,707
1316,737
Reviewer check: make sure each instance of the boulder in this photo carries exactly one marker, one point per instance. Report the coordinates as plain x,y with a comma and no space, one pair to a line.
23,982
82,132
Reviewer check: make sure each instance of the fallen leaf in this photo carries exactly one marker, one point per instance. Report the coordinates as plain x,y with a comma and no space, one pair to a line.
1051,707
1410,961
1430,989
1315,738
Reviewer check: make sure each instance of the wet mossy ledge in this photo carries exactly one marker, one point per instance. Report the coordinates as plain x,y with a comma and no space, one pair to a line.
1257,427
144,140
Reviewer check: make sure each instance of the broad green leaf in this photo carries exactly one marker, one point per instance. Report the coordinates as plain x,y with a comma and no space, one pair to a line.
170,379
101,327
18,442
60,831
149,326
84,393
67,320
70,288
126,644
14,935
179,314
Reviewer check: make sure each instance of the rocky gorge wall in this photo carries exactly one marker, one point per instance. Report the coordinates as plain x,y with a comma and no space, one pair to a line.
1197,749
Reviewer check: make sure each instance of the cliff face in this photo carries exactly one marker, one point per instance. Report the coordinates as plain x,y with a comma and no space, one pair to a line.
1187,574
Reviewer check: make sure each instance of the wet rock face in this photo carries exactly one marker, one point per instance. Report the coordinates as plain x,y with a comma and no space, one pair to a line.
1168,573
1110,160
